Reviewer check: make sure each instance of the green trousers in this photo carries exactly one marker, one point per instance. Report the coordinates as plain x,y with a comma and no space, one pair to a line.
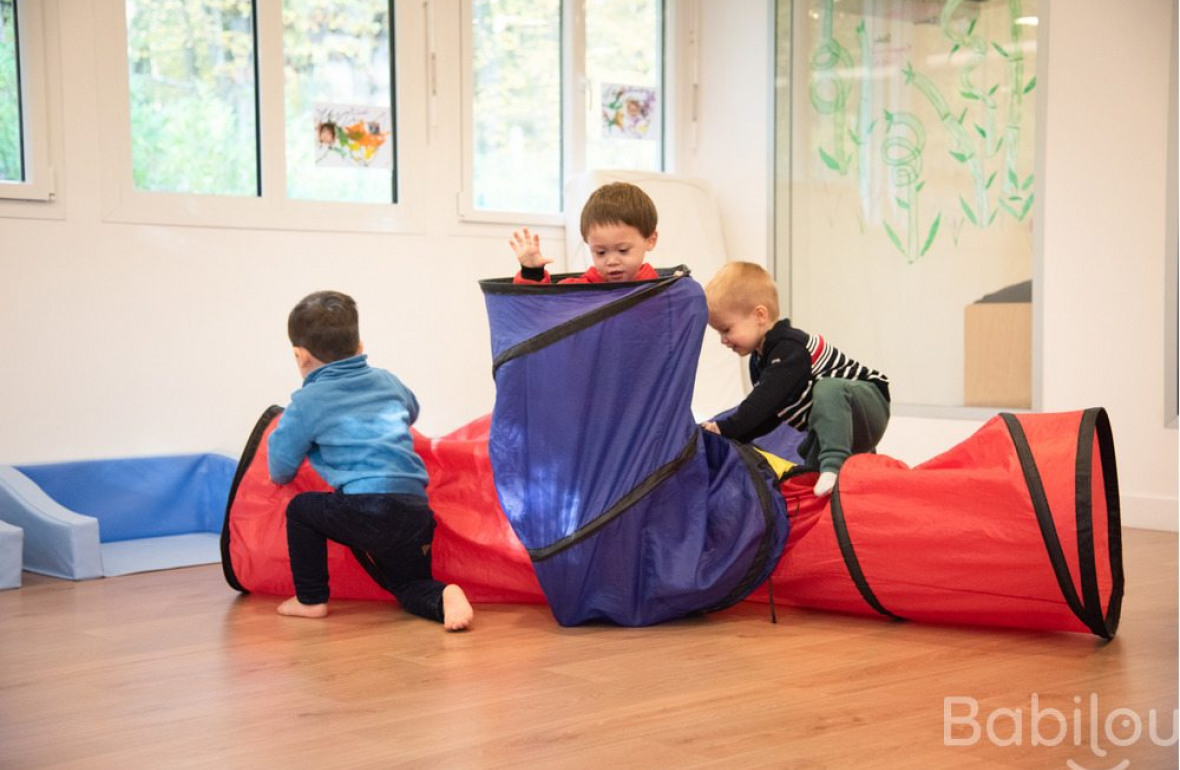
847,417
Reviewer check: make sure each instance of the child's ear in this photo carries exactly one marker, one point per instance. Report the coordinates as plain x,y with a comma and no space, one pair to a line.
360,347
651,239
302,356
761,314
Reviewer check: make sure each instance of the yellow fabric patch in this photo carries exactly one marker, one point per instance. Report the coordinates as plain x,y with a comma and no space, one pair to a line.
777,464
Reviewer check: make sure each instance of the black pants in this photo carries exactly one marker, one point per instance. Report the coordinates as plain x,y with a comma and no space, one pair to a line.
394,532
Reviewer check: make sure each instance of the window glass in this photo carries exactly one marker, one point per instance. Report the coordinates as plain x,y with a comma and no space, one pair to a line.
533,126
516,109
11,160
193,96
624,51
340,138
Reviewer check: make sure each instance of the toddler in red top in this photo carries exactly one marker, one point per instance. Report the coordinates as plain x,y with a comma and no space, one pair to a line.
619,227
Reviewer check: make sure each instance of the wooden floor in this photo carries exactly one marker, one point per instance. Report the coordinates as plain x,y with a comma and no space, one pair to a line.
174,669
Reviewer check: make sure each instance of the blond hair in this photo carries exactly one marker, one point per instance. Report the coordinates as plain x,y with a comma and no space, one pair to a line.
740,287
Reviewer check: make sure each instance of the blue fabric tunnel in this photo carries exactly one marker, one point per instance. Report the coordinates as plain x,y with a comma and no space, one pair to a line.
630,512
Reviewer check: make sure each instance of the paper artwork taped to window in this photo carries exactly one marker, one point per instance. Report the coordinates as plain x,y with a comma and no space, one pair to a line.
353,136
630,112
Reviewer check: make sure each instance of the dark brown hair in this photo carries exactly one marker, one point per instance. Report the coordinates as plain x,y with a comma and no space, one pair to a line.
620,203
326,325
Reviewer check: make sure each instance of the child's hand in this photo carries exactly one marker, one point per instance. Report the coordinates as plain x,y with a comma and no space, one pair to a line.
527,247
711,427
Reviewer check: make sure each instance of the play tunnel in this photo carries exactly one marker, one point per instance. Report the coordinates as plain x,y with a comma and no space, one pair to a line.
630,513
609,503
1016,526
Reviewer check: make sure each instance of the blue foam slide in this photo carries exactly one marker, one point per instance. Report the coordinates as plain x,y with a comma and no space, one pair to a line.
11,544
99,518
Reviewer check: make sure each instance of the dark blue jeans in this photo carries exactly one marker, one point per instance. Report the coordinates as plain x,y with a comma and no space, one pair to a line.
390,534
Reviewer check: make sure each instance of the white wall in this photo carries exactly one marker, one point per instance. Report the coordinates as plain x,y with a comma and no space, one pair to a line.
1102,301
736,119
121,340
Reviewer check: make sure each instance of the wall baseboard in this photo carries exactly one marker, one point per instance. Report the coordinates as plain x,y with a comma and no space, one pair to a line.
1159,513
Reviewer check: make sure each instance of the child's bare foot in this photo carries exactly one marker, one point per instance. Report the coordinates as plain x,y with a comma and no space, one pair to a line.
295,608
457,612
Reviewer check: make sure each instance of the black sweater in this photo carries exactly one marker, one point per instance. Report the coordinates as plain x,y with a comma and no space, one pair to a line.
783,375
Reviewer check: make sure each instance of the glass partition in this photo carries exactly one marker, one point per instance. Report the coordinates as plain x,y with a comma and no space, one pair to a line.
905,155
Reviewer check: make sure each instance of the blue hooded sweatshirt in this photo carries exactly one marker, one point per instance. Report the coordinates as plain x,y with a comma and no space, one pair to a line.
353,422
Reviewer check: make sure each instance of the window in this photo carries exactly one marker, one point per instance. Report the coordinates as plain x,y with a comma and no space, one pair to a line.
623,127
12,162
25,172
256,114
191,70
516,105
339,81
555,88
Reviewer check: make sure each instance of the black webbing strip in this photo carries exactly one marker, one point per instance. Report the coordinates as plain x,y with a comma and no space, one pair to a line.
1114,520
621,505
1084,519
248,454
575,325
849,554
1096,424
1040,503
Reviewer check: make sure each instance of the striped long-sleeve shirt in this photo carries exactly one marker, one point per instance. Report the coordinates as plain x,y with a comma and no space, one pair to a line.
784,374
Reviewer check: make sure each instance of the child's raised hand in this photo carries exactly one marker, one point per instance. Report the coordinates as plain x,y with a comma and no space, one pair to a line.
527,247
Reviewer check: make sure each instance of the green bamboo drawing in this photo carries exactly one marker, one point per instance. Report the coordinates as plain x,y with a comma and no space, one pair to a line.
829,89
963,150
995,125
901,151
864,121
976,48
1016,191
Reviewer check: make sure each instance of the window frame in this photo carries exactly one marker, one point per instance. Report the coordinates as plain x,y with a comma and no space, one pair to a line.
574,95
272,209
32,60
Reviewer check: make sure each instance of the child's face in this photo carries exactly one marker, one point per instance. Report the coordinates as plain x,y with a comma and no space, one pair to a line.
618,250
741,331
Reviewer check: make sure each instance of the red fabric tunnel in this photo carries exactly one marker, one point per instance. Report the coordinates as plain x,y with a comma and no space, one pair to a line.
1016,526
474,545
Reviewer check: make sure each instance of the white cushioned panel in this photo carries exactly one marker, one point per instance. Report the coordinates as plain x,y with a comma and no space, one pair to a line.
11,544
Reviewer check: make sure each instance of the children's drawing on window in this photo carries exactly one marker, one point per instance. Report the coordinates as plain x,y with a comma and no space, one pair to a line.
630,112
353,136
935,91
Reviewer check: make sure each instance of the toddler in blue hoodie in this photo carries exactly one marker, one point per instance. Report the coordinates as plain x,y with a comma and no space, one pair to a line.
352,422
